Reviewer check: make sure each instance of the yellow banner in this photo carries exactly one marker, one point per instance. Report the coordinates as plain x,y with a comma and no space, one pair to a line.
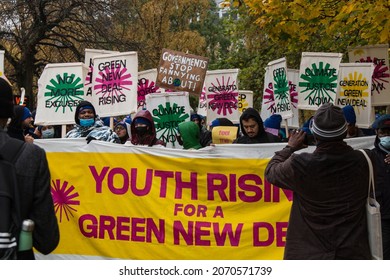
153,203
156,203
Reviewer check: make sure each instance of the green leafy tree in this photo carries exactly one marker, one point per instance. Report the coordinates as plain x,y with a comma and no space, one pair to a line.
323,25
36,32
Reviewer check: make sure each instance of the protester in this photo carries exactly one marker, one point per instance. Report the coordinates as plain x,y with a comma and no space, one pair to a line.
48,131
381,159
273,125
143,131
205,135
33,179
190,135
252,128
328,215
20,124
122,130
350,117
89,125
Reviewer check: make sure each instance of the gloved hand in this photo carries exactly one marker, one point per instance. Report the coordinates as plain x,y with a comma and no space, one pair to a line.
90,138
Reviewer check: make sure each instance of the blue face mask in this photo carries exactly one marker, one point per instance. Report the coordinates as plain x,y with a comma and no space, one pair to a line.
48,133
385,142
87,122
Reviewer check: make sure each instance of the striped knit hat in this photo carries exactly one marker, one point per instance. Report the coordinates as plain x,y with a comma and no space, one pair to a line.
329,123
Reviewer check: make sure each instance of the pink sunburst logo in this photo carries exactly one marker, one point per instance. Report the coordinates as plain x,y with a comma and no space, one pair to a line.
64,198
112,81
379,77
223,96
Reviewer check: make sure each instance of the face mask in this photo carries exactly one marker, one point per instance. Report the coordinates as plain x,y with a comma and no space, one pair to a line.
141,130
48,133
385,142
87,122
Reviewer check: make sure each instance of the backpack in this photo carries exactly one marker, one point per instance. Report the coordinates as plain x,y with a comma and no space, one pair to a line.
10,222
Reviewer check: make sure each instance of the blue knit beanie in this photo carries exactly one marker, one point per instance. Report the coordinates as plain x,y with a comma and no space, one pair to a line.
273,121
221,122
349,114
26,113
195,116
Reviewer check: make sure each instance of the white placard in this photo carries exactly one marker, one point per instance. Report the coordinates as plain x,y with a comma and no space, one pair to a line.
146,85
245,100
379,55
115,80
354,88
168,110
222,94
60,90
318,77
88,60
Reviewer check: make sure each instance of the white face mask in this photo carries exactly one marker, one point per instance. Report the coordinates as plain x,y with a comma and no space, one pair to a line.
48,133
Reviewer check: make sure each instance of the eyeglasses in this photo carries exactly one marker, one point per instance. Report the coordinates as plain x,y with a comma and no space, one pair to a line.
119,128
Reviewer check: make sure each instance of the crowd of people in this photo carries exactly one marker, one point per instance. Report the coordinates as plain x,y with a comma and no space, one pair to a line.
330,185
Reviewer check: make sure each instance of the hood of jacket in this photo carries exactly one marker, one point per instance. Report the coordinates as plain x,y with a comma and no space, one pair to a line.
148,139
252,113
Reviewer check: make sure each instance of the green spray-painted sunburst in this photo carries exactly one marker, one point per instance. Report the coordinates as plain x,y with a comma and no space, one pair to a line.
318,83
174,117
281,89
64,89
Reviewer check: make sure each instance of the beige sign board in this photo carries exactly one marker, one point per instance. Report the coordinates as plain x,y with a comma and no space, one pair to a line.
179,71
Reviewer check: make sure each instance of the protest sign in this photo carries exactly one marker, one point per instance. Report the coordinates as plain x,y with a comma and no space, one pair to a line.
88,60
245,100
355,89
222,94
224,134
168,110
60,90
115,80
318,77
277,70
181,71
202,105
379,55
146,85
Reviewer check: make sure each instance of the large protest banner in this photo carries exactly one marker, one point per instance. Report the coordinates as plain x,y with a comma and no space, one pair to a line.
168,110
222,94
1,63
355,89
88,60
114,83
318,75
379,55
146,85
245,100
180,71
133,202
60,90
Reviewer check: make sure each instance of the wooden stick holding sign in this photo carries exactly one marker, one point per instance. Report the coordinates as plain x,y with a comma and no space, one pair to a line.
286,127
